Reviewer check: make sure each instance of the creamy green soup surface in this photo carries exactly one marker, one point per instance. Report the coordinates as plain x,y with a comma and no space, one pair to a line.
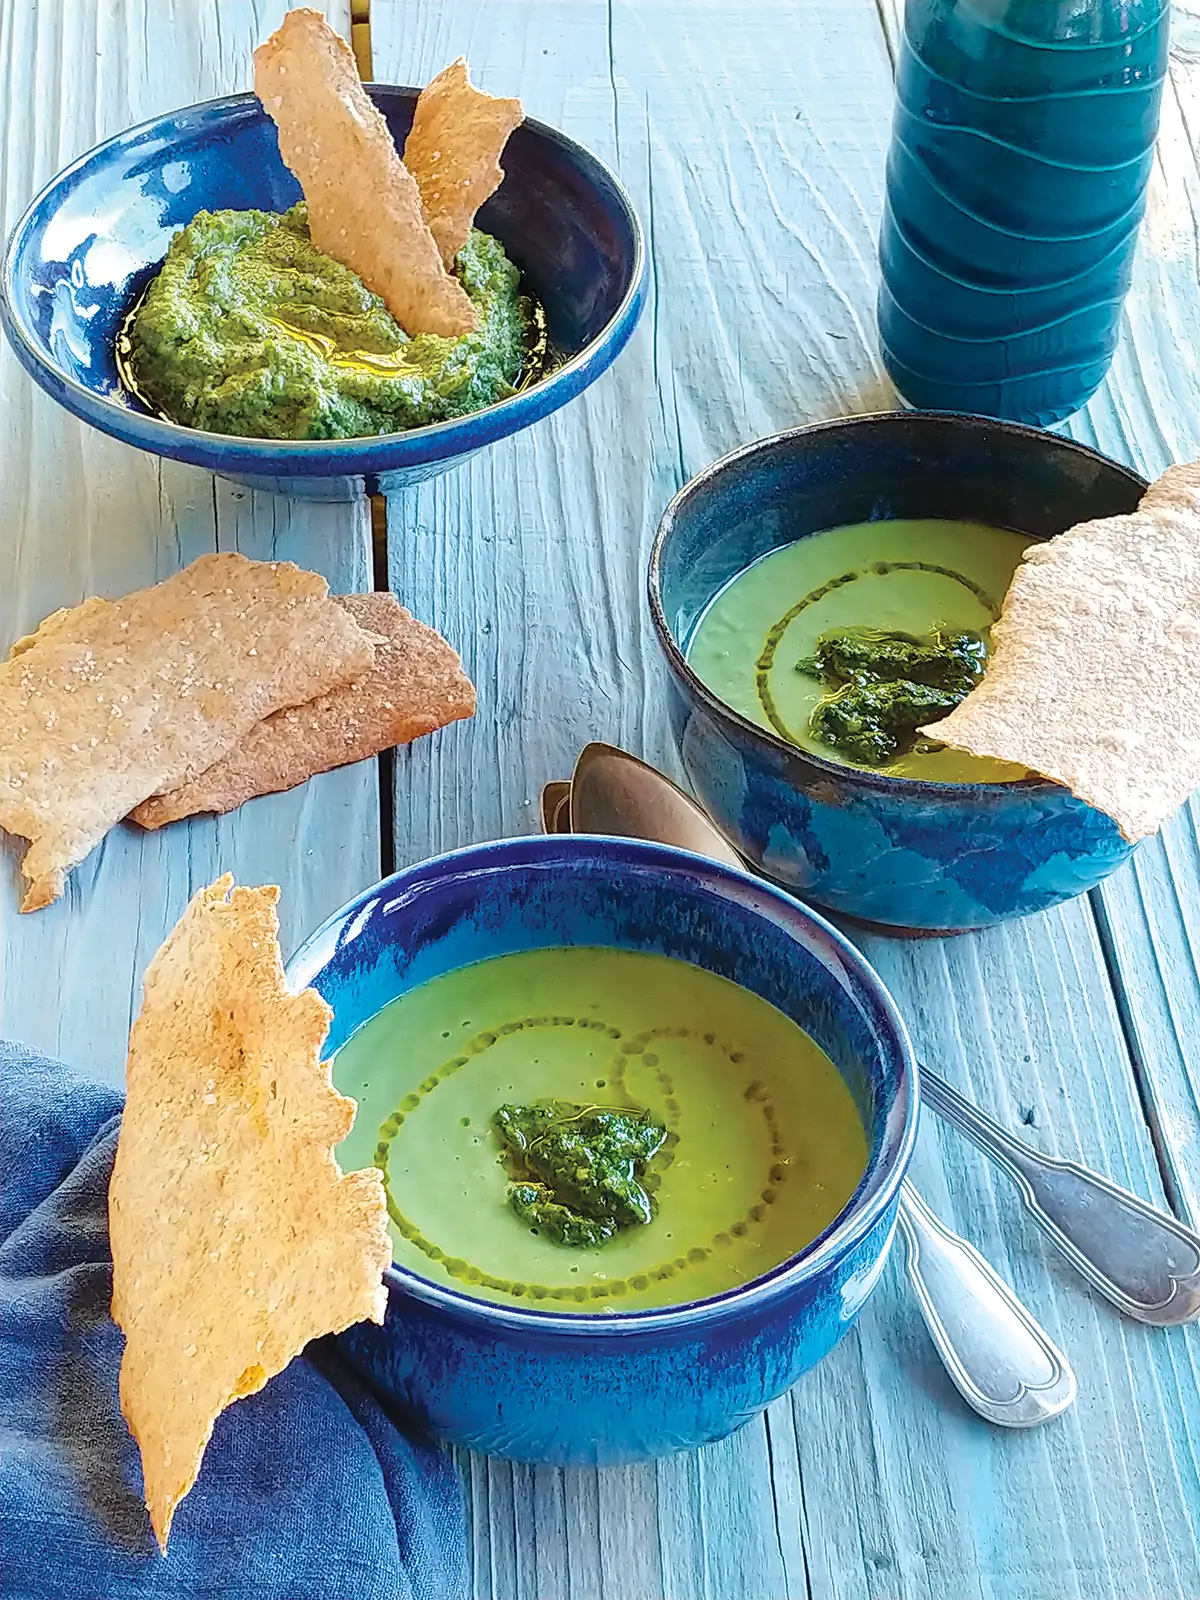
758,1147
914,599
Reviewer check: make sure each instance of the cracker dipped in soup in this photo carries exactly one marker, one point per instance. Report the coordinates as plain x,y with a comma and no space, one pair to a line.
963,653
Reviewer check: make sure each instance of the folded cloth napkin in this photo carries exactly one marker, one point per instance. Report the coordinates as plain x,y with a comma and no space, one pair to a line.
308,1488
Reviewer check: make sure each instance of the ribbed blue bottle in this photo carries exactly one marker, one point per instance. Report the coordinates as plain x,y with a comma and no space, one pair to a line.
1021,147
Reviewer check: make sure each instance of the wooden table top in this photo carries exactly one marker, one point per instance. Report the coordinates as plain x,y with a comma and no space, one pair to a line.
752,135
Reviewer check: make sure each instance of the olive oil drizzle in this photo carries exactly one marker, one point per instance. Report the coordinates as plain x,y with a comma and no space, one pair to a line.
878,569
538,356
123,355
467,1272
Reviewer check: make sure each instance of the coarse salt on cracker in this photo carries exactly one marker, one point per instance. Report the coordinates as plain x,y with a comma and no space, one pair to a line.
114,700
236,1238
1094,680
65,617
453,151
364,208
416,686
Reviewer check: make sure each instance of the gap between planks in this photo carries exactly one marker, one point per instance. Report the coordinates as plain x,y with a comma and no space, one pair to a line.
360,37
1168,1175
386,758
360,43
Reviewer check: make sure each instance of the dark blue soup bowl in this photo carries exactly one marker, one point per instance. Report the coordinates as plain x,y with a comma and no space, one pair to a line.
601,1389
905,856
97,233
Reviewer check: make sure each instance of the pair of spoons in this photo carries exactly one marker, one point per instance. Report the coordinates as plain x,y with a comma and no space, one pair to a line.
999,1357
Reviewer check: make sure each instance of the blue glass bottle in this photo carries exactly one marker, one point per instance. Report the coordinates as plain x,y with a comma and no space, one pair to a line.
1022,143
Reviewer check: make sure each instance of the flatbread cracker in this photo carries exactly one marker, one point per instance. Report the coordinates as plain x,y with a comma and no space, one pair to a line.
1095,677
416,686
64,617
453,151
115,700
364,208
236,1238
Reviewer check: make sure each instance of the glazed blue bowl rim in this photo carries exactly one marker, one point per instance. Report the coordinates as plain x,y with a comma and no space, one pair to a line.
158,430
888,1161
909,788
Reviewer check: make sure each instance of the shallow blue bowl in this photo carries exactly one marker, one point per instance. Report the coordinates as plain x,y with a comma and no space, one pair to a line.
98,232
905,856
616,1387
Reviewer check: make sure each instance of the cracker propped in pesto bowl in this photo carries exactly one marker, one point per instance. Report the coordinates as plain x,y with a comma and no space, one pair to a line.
86,248
340,318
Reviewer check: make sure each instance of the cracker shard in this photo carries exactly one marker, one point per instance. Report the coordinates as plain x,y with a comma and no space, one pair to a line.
416,686
1095,674
235,1236
111,701
453,151
364,208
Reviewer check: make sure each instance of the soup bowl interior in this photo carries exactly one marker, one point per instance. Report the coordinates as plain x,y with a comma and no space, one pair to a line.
905,855
550,892
894,465
98,233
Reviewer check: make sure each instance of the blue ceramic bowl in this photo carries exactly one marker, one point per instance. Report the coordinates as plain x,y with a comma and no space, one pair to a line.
905,856
616,1387
98,232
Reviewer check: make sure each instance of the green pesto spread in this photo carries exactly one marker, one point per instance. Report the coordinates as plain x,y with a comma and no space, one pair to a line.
249,330
882,687
578,1168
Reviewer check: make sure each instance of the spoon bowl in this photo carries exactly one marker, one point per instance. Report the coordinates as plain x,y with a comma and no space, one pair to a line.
613,792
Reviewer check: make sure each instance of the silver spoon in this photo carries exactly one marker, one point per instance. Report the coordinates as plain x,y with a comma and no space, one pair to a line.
554,797
1002,1362
1142,1259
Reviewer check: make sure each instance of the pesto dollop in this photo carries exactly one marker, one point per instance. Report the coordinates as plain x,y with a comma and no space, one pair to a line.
578,1168
885,686
248,329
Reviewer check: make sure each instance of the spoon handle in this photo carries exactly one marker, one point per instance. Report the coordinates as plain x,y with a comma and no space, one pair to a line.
1001,1360
1142,1259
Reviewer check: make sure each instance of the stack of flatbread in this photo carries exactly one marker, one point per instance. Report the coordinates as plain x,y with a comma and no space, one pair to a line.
231,679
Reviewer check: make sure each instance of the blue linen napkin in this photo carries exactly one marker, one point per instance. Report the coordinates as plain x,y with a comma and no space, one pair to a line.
308,1488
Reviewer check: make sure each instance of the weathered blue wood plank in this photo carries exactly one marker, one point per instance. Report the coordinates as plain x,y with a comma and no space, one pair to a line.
80,515
1025,1020
1149,415
753,138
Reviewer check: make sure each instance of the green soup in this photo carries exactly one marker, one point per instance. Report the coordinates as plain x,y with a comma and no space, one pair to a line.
918,587
759,1142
